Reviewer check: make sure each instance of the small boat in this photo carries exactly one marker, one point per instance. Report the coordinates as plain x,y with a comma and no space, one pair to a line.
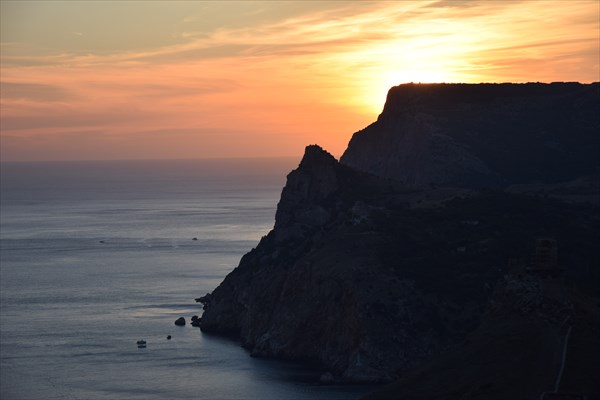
141,344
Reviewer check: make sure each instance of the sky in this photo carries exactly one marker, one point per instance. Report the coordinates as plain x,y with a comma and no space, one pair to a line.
100,80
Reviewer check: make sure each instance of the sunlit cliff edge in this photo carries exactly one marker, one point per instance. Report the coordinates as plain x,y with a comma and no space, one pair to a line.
398,261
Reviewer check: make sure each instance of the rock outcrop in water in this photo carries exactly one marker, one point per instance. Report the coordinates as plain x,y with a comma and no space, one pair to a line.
371,272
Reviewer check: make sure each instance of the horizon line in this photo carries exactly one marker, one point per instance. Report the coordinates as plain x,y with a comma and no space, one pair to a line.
151,159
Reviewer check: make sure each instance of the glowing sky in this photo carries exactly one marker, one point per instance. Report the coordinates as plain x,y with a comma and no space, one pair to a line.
130,80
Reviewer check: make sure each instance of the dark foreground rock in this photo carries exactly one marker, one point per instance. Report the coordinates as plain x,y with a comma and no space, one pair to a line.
517,351
372,277
180,321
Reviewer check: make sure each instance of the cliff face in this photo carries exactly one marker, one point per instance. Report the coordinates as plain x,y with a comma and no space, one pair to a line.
370,277
309,291
490,135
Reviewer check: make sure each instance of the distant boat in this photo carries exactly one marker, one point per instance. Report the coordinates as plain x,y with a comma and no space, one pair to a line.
141,344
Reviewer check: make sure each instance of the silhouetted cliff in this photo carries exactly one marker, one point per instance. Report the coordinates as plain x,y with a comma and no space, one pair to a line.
483,135
374,279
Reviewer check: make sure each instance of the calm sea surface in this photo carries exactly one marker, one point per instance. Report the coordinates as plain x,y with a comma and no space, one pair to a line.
97,255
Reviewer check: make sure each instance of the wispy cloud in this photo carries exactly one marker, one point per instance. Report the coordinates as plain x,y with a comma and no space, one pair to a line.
310,77
35,92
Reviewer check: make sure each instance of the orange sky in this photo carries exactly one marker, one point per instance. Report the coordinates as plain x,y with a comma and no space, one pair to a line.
139,80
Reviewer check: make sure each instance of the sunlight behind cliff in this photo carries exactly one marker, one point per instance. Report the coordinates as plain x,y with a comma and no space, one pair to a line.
375,93
223,79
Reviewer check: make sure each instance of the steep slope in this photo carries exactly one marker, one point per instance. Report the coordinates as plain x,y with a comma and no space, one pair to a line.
357,280
374,279
305,292
483,135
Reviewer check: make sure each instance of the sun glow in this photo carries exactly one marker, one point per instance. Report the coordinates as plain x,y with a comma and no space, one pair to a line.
433,53
375,94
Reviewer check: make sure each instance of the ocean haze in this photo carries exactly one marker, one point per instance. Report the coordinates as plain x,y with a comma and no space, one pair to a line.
97,255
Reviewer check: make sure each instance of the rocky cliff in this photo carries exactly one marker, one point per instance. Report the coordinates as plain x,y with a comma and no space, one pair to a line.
489,135
370,277
309,290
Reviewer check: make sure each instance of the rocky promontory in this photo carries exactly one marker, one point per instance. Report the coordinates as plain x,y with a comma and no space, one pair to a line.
483,135
381,263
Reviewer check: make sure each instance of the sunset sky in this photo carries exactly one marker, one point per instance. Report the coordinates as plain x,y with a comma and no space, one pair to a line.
148,79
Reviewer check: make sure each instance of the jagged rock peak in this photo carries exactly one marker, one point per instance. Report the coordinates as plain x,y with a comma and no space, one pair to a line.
315,157
315,178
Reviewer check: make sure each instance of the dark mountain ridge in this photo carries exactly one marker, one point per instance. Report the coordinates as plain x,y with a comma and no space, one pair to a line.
484,135
404,252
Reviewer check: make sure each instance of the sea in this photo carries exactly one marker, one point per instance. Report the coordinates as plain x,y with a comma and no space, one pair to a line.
97,255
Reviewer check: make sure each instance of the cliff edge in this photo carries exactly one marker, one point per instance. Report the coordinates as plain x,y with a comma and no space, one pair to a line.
482,135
